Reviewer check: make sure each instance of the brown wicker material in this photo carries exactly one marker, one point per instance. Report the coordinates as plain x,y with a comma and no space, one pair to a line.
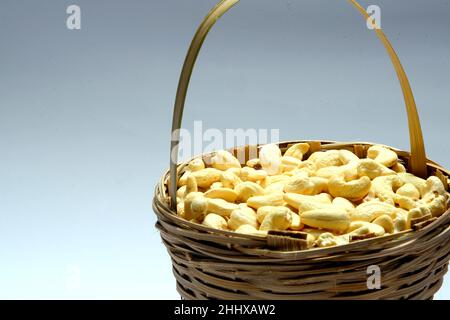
216,264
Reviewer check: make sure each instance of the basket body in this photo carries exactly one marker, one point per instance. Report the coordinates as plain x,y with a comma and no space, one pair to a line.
213,264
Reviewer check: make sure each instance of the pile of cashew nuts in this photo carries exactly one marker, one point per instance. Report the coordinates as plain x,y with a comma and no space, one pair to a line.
333,196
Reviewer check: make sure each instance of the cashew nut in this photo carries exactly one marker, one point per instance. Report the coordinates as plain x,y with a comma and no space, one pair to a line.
360,228
222,193
229,179
248,189
352,190
369,211
344,204
384,187
221,207
215,221
409,190
270,158
330,218
273,199
327,239
347,156
327,158
418,212
276,219
242,216
399,168
254,163
196,164
206,177
195,206
306,203
248,229
382,155
386,222
223,160
297,150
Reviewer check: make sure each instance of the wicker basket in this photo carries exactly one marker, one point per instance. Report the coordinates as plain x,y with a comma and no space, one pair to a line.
215,264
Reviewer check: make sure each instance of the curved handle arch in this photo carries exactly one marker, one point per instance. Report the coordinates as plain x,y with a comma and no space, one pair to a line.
417,163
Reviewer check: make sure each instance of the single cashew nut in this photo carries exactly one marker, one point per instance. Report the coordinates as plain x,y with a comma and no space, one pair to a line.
247,190
369,211
327,239
437,206
273,199
344,204
409,190
347,156
242,216
196,164
329,158
399,222
330,218
254,163
404,202
224,160
270,158
221,207
361,228
229,179
384,187
222,193
195,206
382,155
181,192
215,221
206,177
352,190
434,186
386,222
191,185
297,150
399,168
296,222
217,185
276,220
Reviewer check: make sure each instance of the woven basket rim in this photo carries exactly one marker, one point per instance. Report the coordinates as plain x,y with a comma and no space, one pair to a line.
244,242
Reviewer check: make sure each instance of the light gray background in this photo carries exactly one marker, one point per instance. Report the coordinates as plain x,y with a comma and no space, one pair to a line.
85,116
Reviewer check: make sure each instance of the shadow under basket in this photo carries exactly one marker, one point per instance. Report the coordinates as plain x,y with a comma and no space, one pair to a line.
216,264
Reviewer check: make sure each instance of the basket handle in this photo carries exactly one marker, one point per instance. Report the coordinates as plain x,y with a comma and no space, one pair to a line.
417,163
